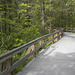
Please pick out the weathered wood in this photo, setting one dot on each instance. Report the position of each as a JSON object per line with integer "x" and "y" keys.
{"x": 31, "y": 48}
{"x": 28, "y": 51}
{"x": 9, "y": 64}
{"x": 60, "y": 35}
{"x": 21, "y": 60}
{"x": 51, "y": 37}
{"x": 41, "y": 42}
{"x": 15, "y": 51}
{"x": 57, "y": 35}
{"x": 70, "y": 29}
{"x": 66, "y": 29}
{"x": 0, "y": 67}
{"x": 54, "y": 60}
{"x": 3, "y": 66}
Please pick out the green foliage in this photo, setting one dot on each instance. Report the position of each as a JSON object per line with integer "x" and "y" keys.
{"x": 21, "y": 22}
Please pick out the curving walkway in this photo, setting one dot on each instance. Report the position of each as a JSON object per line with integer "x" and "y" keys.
{"x": 57, "y": 59}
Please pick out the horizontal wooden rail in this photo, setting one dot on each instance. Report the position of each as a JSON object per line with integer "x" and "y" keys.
{"x": 70, "y": 29}
{"x": 31, "y": 50}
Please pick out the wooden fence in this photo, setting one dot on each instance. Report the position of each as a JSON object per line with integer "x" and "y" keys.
{"x": 6, "y": 60}
{"x": 70, "y": 29}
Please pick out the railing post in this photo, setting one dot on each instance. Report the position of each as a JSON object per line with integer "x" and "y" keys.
{"x": 60, "y": 35}
{"x": 3, "y": 66}
{"x": 6, "y": 65}
{"x": 66, "y": 29}
{"x": 31, "y": 48}
{"x": 71, "y": 30}
{"x": 0, "y": 67}
{"x": 56, "y": 35}
{"x": 28, "y": 51}
{"x": 53, "y": 39}
{"x": 41, "y": 42}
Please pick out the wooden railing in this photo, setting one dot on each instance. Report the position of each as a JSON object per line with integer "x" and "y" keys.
{"x": 6, "y": 64}
{"x": 70, "y": 29}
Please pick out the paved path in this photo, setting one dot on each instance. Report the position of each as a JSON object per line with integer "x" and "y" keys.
{"x": 57, "y": 59}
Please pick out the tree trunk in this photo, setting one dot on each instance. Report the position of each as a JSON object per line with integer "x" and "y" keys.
{"x": 5, "y": 16}
{"x": 43, "y": 24}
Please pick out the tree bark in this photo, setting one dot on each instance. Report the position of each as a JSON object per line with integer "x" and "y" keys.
{"x": 43, "y": 23}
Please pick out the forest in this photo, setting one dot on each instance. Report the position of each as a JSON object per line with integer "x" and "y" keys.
{"x": 22, "y": 21}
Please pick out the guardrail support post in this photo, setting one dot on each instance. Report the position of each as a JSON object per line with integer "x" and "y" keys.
{"x": 53, "y": 39}
{"x": 41, "y": 42}
{"x": 32, "y": 48}
{"x": 3, "y": 66}
{"x": 60, "y": 35}
{"x": 66, "y": 29}
{"x": 8, "y": 64}
{"x": 57, "y": 37}
{"x": 0, "y": 67}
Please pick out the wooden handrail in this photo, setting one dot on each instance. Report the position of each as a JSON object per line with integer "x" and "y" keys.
{"x": 30, "y": 44}
{"x": 70, "y": 29}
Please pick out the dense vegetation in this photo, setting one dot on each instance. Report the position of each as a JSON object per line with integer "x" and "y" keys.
{"x": 24, "y": 20}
